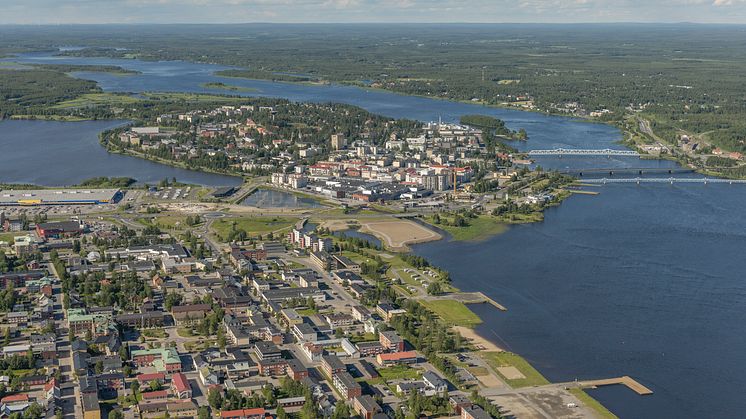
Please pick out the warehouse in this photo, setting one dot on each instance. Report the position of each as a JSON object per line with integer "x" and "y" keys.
{"x": 10, "y": 197}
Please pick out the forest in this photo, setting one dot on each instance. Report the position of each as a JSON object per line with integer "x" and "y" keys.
{"x": 681, "y": 77}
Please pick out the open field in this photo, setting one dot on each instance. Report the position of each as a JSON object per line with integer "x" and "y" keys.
{"x": 253, "y": 226}
{"x": 507, "y": 359}
{"x": 479, "y": 228}
{"x": 397, "y": 234}
{"x": 8, "y": 237}
{"x": 453, "y": 312}
{"x": 97, "y": 99}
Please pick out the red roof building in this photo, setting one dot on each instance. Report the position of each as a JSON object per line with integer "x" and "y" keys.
{"x": 257, "y": 413}
{"x": 180, "y": 386}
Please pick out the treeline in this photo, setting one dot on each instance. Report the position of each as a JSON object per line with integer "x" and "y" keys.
{"x": 494, "y": 126}
{"x": 33, "y": 92}
{"x": 108, "y": 182}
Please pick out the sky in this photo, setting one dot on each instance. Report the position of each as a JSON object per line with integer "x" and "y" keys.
{"x": 330, "y": 11}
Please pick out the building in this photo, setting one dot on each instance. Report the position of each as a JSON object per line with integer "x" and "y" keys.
{"x": 322, "y": 260}
{"x": 391, "y": 341}
{"x": 474, "y": 412}
{"x": 273, "y": 367}
{"x": 59, "y": 197}
{"x": 180, "y": 386}
{"x": 370, "y": 348}
{"x": 360, "y": 313}
{"x": 388, "y": 311}
{"x": 267, "y": 351}
{"x": 257, "y": 413}
{"x": 408, "y": 357}
{"x": 365, "y": 406}
{"x": 339, "y": 141}
{"x": 346, "y": 385}
{"x": 459, "y": 402}
{"x": 145, "y": 379}
{"x": 60, "y": 229}
{"x": 191, "y": 314}
{"x": 337, "y": 320}
{"x": 332, "y": 365}
{"x": 296, "y": 370}
{"x": 304, "y": 332}
{"x": 146, "y": 320}
{"x": 89, "y": 403}
{"x": 163, "y": 359}
{"x": 434, "y": 382}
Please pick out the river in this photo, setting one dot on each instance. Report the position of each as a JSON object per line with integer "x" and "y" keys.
{"x": 54, "y": 153}
{"x": 638, "y": 280}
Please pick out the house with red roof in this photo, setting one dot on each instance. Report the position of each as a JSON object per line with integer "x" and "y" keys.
{"x": 180, "y": 386}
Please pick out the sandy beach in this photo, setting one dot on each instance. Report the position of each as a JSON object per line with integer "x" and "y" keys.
{"x": 477, "y": 340}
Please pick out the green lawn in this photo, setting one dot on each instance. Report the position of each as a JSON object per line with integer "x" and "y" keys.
{"x": 252, "y": 225}
{"x": 592, "y": 403}
{"x": 8, "y": 237}
{"x": 399, "y": 372}
{"x": 506, "y": 359}
{"x": 98, "y": 99}
{"x": 479, "y": 228}
{"x": 453, "y": 312}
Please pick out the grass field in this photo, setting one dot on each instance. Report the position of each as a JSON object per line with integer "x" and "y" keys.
{"x": 453, "y": 312}
{"x": 507, "y": 359}
{"x": 399, "y": 372}
{"x": 8, "y": 237}
{"x": 592, "y": 403}
{"x": 479, "y": 228}
{"x": 254, "y": 226}
{"x": 97, "y": 99}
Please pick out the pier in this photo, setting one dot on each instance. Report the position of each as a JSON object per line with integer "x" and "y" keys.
{"x": 477, "y": 298}
{"x": 581, "y": 152}
{"x": 626, "y": 380}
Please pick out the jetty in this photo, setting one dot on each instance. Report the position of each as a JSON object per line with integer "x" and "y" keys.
{"x": 477, "y": 298}
{"x": 626, "y": 380}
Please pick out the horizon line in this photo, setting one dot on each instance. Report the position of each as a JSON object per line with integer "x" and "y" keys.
{"x": 372, "y": 23}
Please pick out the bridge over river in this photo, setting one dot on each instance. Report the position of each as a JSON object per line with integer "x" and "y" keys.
{"x": 580, "y": 152}
{"x": 670, "y": 180}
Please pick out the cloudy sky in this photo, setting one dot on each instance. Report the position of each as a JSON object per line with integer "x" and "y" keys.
{"x": 236, "y": 11}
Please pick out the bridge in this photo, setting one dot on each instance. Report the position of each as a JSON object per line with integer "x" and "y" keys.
{"x": 579, "y": 152}
{"x": 671, "y": 180}
{"x": 611, "y": 171}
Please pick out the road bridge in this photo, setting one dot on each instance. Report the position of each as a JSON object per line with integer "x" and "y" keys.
{"x": 611, "y": 171}
{"x": 670, "y": 180}
{"x": 580, "y": 152}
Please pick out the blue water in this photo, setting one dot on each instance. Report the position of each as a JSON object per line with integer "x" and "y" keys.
{"x": 639, "y": 280}
{"x": 270, "y": 198}
{"x": 65, "y": 153}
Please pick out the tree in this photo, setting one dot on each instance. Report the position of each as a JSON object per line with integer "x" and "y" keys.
{"x": 281, "y": 414}
{"x": 204, "y": 413}
{"x": 154, "y": 385}
{"x": 214, "y": 398}
{"x": 99, "y": 367}
{"x": 341, "y": 411}
{"x": 116, "y": 414}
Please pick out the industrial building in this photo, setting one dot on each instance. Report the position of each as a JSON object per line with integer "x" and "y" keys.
{"x": 10, "y": 197}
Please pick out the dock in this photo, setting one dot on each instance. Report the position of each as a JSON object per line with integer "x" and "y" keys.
{"x": 477, "y": 298}
{"x": 626, "y": 380}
